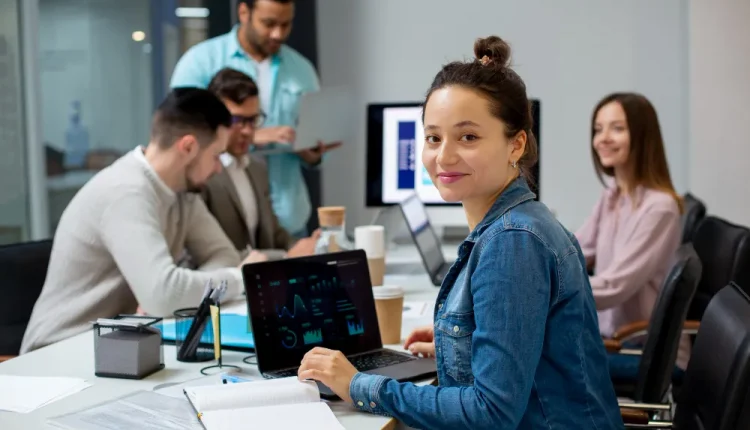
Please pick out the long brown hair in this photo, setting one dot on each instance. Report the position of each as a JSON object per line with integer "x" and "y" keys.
{"x": 647, "y": 157}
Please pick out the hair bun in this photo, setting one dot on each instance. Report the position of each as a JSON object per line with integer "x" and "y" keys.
{"x": 495, "y": 49}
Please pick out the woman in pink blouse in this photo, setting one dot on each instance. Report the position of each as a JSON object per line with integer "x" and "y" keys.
{"x": 634, "y": 230}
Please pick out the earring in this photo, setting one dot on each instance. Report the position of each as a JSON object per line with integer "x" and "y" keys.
{"x": 514, "y": 164}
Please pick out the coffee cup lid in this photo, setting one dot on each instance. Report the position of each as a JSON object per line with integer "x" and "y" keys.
{"x": 387, "y": 292}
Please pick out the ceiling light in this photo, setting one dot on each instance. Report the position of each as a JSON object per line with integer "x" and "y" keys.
{"x": 139, "y": 36}
{"x": 191, "y": 12}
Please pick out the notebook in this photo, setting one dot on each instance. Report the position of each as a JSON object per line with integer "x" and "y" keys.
{"x": 285, "y": 403}
{"x": 234, "y": 332}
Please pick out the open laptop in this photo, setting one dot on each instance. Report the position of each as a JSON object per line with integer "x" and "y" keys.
{"x": 322, "y": 300}
{"x": 326, "y": 115}
{"x": 426, "y": 240}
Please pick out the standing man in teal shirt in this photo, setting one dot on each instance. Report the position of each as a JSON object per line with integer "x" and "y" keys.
{"x": 256, "y": 47}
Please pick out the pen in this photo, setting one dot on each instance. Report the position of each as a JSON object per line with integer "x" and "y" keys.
{"x": 207, "y": 291}
{"x": 198, "y": 414}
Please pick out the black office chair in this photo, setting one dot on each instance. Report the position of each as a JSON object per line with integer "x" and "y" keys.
{"x": 724, "y": 250}
{"x": 715, "y": 394}
{"x": 656, "y": 363}
{"x": 23, "y": 269}
{"x": 695, "y": 211}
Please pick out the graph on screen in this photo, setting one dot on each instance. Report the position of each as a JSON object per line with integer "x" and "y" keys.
{"x": 298, "y": 309}
{"x": 355, "y": 328}
{"x": 313, "y": 308}
{"x": 312, "y": 337}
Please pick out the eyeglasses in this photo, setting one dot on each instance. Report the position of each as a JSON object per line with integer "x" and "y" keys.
{"x": 254, "y": 121}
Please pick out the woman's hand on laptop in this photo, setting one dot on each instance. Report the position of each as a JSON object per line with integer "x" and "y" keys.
{"x": 332, "y": 368}
{"x": 421, "y": 341}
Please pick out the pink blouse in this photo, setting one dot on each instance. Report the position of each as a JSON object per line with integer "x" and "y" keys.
{"x": 631, "y": 243}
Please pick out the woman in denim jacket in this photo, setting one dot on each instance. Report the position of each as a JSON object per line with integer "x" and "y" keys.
{"x": 515, "y": 336}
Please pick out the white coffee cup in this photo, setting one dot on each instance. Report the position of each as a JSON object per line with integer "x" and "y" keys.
{"x": 389, "y": 305}
{"x": 371, "y": 238}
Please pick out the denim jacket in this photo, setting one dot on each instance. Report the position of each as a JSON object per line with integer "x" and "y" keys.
{"x": 516, "y": 334}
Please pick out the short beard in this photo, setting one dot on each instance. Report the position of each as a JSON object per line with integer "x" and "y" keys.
{"x": 251, "y": 38}
{"x": 192, "y": 187}
{"x": 195, "y": 189}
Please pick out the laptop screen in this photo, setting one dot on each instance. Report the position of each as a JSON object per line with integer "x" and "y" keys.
{"x": 425, "y": 238}
{"x": 322, "y": 300}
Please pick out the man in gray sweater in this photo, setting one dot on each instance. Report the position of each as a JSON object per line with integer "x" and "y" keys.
{"x": 120, "y": 240}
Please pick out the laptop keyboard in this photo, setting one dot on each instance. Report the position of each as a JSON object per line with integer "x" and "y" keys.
{"x": 363, "y": 362}
{"x": 378, "y": 359}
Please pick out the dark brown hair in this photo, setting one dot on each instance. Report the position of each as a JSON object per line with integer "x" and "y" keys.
{"x": 185, "y": 111}
{"x": 491, "y": 76}
{"x": 233, "y": 85}
{"x": 647, "y": 157}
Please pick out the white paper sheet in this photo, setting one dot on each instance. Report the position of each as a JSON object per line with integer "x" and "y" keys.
{"x": 26, "y": 393}
{"x": 143, "y": 410}
{"x": 307, "y": 416}
{"x": 253, "y": 394}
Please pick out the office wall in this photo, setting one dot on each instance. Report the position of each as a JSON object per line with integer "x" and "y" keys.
{"x": 720, "y": 106}
{"x": 570, "y": 54}
{"x": 88, "y": 54}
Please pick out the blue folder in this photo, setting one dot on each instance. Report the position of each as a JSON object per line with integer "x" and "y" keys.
{"x": 234, "y": 332}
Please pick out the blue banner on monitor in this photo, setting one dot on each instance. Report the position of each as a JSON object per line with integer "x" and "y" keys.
{"x": 407, "y": 134}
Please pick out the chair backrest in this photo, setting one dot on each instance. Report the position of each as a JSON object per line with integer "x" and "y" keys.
{"x": 665, "y": 327}
{"x": 714, "y": 394}
{"x": 724, "y": 250}
{"x": 695, "y": 211}
{"x": 23, "y": 269}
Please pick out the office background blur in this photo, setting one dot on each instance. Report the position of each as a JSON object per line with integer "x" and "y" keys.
{"x": 88, "y": 74}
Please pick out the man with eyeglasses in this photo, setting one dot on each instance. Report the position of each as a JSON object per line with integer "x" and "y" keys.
{"x": 239, "y": 196}
{"x": 257, "y": 47}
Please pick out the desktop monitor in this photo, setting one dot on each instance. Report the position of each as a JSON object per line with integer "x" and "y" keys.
{"x": 395, "y": 138}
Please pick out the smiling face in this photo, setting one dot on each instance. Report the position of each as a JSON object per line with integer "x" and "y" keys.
{"x": 466, "y": 151}
{"x": 611, "y": 137}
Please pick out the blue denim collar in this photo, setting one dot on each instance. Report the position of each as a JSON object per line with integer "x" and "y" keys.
{"x": 516, "y": 193}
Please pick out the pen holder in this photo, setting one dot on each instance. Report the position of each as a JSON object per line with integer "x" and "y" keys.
{"x": 204, "y": 350}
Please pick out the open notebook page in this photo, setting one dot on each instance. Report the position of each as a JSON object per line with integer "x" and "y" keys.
{"x": 253, "y": 394}
{"x": 307, "y": 416}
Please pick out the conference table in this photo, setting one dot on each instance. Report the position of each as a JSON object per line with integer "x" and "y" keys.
{"x": 74, "y": 357}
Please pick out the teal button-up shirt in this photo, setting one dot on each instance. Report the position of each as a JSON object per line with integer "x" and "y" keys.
{"x": 292, "y": 75}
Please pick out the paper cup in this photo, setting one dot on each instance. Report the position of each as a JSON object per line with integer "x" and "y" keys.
{"x": 331, "y": 216}
{"x": 371, "y": 238}
{"x": 389, "y": 305}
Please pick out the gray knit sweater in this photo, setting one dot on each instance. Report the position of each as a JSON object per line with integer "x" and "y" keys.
{"x": 117, "y": 246}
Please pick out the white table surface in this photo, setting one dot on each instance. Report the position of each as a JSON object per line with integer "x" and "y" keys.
{"x": 74, "y": 357}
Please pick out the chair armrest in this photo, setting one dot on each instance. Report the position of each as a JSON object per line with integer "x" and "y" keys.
{"x": 6, "y": 357}
{"x": 635, "y": 329}
{"x": 691, "y": 327}
{"x": 650, "y": 425}
{"x": 653, "y": 407}
{"x": 612, "y": 345}
{"x": 630, "y": 416}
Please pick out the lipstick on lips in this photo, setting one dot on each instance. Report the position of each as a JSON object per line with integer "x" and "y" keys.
{"x": 450, "y": 177}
